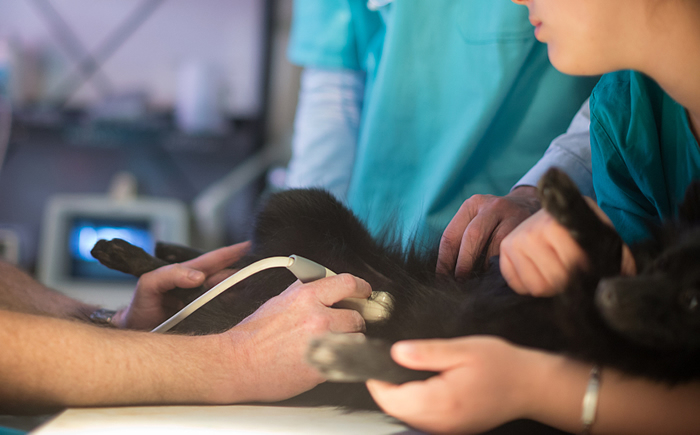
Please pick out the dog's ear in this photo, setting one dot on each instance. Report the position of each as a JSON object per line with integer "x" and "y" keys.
{"x": 689, "y": 210}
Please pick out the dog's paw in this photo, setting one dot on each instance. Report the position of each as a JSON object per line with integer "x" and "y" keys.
{"x": 601, "y": 243}
{"x": 560, "y": 197}
{"x": 121, "y": 255}
{"x": 356, "y": 358}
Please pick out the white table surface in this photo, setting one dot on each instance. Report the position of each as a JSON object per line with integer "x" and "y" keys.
{"x": 235, "y": 419}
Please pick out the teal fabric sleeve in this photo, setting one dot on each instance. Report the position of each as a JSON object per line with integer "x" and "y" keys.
{"x": 332, "y": 33}
{"x": 10, "y": 431}
{"x": 616, "y": 192}
{"x": 617, "y": 182}
{"x": 644, "y": 154}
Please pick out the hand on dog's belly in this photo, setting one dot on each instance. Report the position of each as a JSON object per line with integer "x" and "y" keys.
{"x": 484, "y": 381}
{"x": 479, "y": 226}
{"x": 275, "y": 338}
{"x": 356, "y": 358}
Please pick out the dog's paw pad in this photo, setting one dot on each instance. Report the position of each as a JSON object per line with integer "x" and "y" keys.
{"x": 337, "y": 357}
{"x": 559, "y": 196}
{"x": 355, "y": 358}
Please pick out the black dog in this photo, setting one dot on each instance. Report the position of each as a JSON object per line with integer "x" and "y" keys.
{"x": 647, "y": 325}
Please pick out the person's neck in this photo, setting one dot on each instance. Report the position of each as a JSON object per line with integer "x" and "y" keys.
{"x": 674, "y": 66}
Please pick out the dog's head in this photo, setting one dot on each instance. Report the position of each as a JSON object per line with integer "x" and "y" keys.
{"x": 660, "y": 307}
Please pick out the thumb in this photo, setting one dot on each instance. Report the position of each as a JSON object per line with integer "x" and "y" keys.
{"x": 629, "y": 266}
{"x": 434, "y": 355}
{"x": 167, "y": 278}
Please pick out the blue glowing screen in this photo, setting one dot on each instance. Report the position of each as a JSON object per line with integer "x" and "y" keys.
{"x": 85, "y": 232}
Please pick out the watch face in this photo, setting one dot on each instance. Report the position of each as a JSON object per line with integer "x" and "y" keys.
{"x": 102, "y": 316}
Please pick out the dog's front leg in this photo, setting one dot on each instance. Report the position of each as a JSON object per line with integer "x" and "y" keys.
{"x": 173, "y": 253}
{"x": 601, "y": 243}
{"x": 121, "y": 255}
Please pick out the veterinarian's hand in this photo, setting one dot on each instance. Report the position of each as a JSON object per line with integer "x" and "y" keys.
{"x": 478, "y": 387}
{"x": 273, "y": 341}
{"x": 481, "y": 224}
{"x": 539, "y": 256}
{"x": 152, "y": 304}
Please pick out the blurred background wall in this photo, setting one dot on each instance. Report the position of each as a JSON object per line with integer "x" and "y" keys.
{"x": 193, "y": 100}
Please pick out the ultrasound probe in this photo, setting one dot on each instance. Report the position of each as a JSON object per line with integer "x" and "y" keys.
{"x": 374, "y": 309}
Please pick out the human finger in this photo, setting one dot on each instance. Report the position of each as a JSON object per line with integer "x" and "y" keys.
{"x": 510, "y": 274}
{"x": 407, "y": 402}
{"x": 475, "y": 240}
{"x": 221, "y": 258}
{"x": 451, "y": 241}
{"x": 516, "y": 265}
{"x": 381, "y": 388}
{"x": 629, "y": 267}
{"x": 346, "y": 320}
{"x": 336, "y": 288}
{"x": 569, "y": 252}
{"x": 530, "y": 261}
{"x": 528, "y": 276}
{"x": 168, "y": 277}
{"x": 543, "y": 266}
{"x": 434, "y": 354}
{"x": 502, "y": 230}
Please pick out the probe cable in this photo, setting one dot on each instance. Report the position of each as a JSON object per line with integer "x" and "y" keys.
{"x": 304, "y": 269}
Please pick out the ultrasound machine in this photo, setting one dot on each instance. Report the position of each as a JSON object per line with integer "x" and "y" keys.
{"x": 73, "y": 223}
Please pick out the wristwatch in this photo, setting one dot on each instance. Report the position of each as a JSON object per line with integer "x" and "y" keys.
{"x": 103, "y": 317}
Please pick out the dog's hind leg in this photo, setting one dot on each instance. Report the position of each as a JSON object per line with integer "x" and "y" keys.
{"x": 356, "y": 358}
{"x": 562, "y": 199}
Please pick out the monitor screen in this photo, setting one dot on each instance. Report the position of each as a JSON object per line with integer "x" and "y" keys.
{"x": 84, "y": 232}
{"x": 74, "y": 223}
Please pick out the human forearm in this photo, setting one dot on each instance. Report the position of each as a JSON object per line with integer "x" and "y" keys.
{"x": 556, "y": 388}
{"x": 48, "y": 363}
{"x": 20, "y": 293}
{"x": 626, "y": 404}
{"x": 326, "y": 129}
{"x": 570, "y": 152}
{"x": 51, "y": 363}
{"x": 639, "y": 406}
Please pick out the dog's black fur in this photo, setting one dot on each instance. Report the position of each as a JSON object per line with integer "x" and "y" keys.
{"x": 648, "y": 325}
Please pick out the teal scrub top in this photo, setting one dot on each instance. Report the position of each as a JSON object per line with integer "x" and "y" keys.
{"x": 460, "y": 99}
{"x": 643, "y": 151}
{"x": 10, "y": 431}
